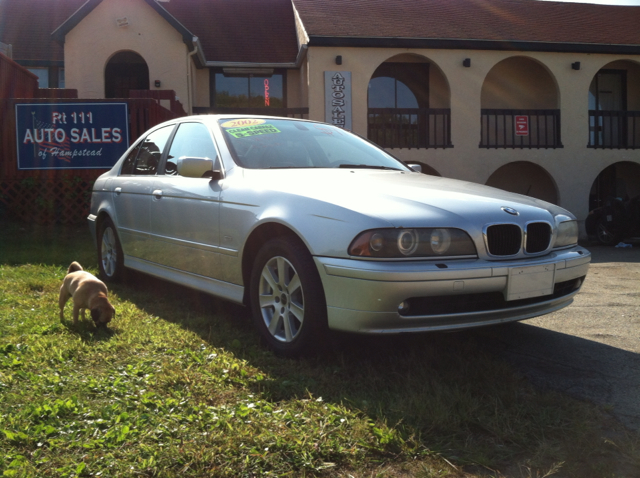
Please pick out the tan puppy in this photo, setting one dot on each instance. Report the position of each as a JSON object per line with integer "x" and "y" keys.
{"x": 88, "y": 292}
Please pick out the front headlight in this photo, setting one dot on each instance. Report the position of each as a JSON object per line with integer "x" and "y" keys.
{"x": 412, "y": 243}
{"x": 567, "y": 232}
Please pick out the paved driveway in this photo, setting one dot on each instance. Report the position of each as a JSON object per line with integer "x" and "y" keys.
{"x": 590, "y": 349}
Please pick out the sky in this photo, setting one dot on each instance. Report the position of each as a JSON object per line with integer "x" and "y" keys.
{"x": 603, "y": 2}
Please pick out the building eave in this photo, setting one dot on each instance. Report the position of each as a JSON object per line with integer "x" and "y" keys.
{"x": 302, "y": 53}
{"x": 471, "y": 44}
{"x": 70, "y": 23}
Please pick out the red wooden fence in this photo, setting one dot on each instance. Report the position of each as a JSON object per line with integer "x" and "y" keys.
{"x": 55, "y": 196}
{"x": 58, "y": 196}
{"x": 16, "y": 81}
{"x": 56, "y": 93}
{"x": 174, "y": 105}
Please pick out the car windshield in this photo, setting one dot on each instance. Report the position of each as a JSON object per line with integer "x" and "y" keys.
{"x": 258, "y": 143}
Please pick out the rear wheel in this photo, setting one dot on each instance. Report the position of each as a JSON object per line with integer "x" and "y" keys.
{"x": 110, "y": 256}
{"x": 287, "y": 298}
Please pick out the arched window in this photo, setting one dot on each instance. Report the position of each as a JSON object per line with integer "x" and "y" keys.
{"x": 399, "y": 108}
{"x": 400, "y": 85}
{"x": 386, "y": 92}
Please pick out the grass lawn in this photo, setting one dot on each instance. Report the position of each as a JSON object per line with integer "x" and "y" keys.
{"x": 179, "y": 385}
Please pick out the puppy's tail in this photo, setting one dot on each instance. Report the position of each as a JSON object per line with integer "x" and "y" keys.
{"x": 74, "y": 267}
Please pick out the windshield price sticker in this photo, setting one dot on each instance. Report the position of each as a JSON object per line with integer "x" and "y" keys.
{"x": 256, "y": 130}
{"x": 242, "y": 122}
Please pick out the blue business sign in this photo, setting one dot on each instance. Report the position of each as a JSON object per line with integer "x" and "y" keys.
{"x": 71, "y": 135}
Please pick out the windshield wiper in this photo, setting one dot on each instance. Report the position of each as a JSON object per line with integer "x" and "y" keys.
{"x": 366, "y": 166}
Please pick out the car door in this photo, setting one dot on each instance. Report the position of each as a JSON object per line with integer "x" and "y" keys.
{"x": 132, "y": 192}
{"x": 184, "y": 211}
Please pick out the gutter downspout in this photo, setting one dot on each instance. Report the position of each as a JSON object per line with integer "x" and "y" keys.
{"x": 189, "y": 88}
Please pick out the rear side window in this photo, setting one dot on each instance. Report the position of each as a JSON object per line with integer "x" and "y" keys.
{"x": 192, "y": 140}
{"x": 127, "y": 166}
{"x": 144, "y": 159}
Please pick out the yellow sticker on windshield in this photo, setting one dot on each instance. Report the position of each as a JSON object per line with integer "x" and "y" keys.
{"x": 242, "y": 122}
{"x": 256, "y": 130}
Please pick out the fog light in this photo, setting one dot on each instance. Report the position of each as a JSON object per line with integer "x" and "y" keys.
{"x": 404, "y": 306}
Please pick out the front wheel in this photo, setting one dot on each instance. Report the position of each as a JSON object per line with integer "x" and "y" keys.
{"x": 287, "y": 298}
{"x": 110, "y": 256}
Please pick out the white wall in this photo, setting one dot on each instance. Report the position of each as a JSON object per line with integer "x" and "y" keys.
{"x": 573, "y": 167}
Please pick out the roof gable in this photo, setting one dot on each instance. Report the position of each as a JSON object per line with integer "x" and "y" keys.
{"x": 71, "y": 22}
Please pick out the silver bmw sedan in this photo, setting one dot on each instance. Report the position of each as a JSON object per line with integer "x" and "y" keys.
{"x": 317, "y": 229}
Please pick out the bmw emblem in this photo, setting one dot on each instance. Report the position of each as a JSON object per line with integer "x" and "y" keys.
{"x": 510, "y": 210}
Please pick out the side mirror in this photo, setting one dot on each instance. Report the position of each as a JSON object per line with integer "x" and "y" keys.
{"x": 194, "y": 167}
{"x": 416, "y": 167}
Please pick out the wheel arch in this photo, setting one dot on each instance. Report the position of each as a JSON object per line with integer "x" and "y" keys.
{"x": 258, "y": 237}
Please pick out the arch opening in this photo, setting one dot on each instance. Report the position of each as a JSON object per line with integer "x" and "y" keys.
{"x": 614, "y": 106}
{"x": 520, "y": 106}
{"x": 619, "y": 180}
{"x": 409, "y": 104}
{"x": 526, "y": 178}
{"x": 614, "y": 204}
{"x": 126, "y": 70}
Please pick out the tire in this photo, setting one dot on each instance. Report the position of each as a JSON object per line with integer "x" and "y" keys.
{"x": 605, "y": 235}
{"x": 110, "y": 256}
{"x": 287, "y": 298}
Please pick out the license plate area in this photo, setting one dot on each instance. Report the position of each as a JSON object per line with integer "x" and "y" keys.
{"x": 530, "y": 281}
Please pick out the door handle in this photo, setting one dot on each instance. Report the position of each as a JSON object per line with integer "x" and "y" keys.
{"x": 118, "y": 191}
{"x": 158, "y": 193}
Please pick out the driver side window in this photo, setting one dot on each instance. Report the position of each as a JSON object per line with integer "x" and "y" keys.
{"x": 192, "y": 140}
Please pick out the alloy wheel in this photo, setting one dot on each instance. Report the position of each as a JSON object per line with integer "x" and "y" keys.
{"x": 109, "y": 254}
{"x": 281, "y": 299}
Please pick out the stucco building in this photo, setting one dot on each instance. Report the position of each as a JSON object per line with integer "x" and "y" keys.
{"x": 540, "y": 98}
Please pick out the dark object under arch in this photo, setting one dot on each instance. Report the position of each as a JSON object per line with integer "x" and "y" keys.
{"x": 125, "y": 71}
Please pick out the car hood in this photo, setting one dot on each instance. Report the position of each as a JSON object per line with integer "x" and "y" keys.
{"x": 405, "y": 199}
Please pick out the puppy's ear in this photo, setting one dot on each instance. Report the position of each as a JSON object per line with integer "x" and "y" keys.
{"x": 95, "y": 315}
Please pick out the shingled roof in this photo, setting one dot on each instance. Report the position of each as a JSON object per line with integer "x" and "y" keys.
{"x": 234, "y": 31}
{"x": 27, "y": 25}
{"x": 486, "y": 24}
{"x": 263, "y": 31}
{"x": 242, "y": 31}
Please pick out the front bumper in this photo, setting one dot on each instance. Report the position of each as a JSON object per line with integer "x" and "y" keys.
{"x": 365, "y": 296}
